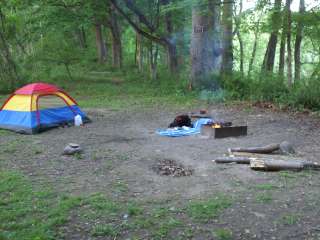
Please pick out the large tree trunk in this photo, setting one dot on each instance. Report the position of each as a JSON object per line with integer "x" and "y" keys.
{"x": 297, "y": 45}
{"x": 289, "y": 56}
{"x": 172, "y": 58}
{"x": 101, "y": 47}
{"x": 268, "y": 61}
{"x": 227, "y": 59}
{"x": 204, "y": 51}
{"x": 116, "y": 39}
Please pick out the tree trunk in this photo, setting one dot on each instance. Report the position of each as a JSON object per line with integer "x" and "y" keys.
{"x": 297, "y": 45}
{"x": 153, "y": 61}
{"x": 205, "y": 51}
{"x": 227, "y": 59}
{"x": 139, "y": 52}
{"x": 254, "y": 49}
{"x": 81, "y": 37}
{"x": 172, "y": 45}
{"x": 268, "y": 61}
{"x": 237, "y": 20}
{"x": 172, "y": 58}
{"x": 116, "y": 39}
{"x": 282, "y": 51}
{"x": 101, "y": 47}
{"x": 289, "y": 56}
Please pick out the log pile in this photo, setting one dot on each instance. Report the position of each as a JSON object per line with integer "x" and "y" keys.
{"x": 272, "y": 157}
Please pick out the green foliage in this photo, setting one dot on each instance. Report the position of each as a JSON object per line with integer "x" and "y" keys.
{"x": 271, "y": 88}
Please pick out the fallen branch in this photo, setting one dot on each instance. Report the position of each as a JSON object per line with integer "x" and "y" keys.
{"x": 277, "y": 165}
{"x": 239, "y": 160}
{"x": 269, "y": 164}
{"x": 283, "y": 147}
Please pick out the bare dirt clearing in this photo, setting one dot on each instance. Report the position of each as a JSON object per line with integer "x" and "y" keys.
{"x": 120, "y": 148}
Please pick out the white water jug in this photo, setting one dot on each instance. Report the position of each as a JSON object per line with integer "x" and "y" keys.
{"x": 78, "y": 120}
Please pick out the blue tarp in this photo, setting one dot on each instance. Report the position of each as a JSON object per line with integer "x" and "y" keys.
{"x": 184, "y": 131}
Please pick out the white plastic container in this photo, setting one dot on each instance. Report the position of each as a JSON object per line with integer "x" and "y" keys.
{"x": 78, "y": 120}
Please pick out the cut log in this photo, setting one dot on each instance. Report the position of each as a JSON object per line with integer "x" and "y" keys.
{"x": 264, "y": 149}
{"x": 277, "y": 165}
{"x": 284, "y": 147}
{"x": 240, "y": 160}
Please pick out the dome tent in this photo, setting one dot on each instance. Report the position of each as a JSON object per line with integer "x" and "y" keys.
{"x": 37, "y": 107}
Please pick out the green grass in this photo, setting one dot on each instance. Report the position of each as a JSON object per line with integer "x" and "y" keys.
{"x": 290, "y": 219}
{"x": 264, "y": 197}
{"x": 265, "y": 186}
{"x": 122, "y": 91}
{"x": 223, "y": 234}
{"x": 104, "y": 230}
{"x": 28, "y": 213}
{"x": 204, "y": 210}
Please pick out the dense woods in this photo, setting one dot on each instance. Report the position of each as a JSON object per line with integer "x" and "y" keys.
{"x": 266, "y": 51}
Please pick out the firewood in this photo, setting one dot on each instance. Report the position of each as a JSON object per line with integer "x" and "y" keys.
{"x": 270, "y": 163}
{"x": 275, "y": 165}
{"x": 240, "y": 160}
{"x": 264, "y": 149}
{"x": 284, "y": 147}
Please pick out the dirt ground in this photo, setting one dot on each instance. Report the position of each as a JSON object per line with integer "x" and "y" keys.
{"x": 120, "y": 148}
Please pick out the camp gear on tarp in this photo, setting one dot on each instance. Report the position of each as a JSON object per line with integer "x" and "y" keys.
{"x": 184, "y": 131}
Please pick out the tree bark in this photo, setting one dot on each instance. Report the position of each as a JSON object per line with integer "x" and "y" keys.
{"x": 139, "y": 51}
{"x": 237, "y": 20}
{"x": 268, "y": 61}
{"x": 116, "y": 39}
{"x": 172, "y": 45}
{"x": 205, "y": 48}
{"x": 282, "y": 51}
{"x": 81, "y": 37}
{"x": 153, "y": 61}
{"x": 101, "y": 47}
{"x": 254, "y": 48}
{"x": 289, "y": 56}
{"x": 297, "y": 45}
{"x": 227, "y": 58}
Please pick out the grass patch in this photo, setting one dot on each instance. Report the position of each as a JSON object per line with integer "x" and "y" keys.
{"x": 265, "y": 197}
{"x": 205, "y": 210}
{"x": 290, "y": 219}
{"x": 119, "y": 91}
{"x": 223, "y": 234}
{"x": 4, "y": 132}
{"x": 265, "y": 186}
{"x": 26, "y": 213}
{"x": 104, "y": 230}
